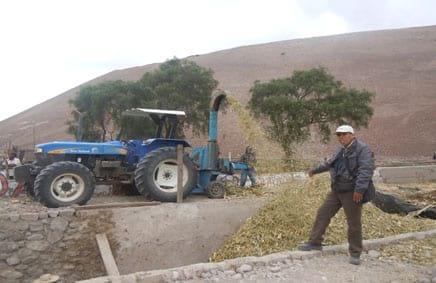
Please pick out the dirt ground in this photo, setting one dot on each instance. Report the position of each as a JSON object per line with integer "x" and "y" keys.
{"x": 421, "y": 252}
{"x": 25, "y": 204}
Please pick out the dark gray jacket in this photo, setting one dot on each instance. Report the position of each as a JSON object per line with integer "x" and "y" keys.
{"x": 360, "y": 162}
{"x": 250, "y": 159}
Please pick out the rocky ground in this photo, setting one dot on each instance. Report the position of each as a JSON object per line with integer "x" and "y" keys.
{"x": 324, "y": 269}
{"x": 421, "y": 252}
{"x": 406, "y": 261}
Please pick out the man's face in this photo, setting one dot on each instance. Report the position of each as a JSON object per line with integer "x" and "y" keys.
{"x": 345, "y": 138}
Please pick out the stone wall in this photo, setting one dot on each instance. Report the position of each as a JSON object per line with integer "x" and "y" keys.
{"x": 273, "y": 180}
{"x": 59, "y": 242}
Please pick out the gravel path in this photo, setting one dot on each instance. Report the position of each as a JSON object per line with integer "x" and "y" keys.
{"x": 322, "y": 269}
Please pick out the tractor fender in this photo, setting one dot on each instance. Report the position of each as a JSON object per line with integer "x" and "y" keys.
{"x": 153, "y": 144}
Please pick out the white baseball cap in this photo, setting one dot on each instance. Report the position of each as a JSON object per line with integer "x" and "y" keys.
{"x": 345, "y": 129}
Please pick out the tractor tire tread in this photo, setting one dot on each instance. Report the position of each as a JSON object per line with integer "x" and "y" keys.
{"x": 42, "y": 194}
{"x": 143, "y": 175}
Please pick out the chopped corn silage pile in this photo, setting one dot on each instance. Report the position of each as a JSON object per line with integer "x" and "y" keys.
{"x": 287, "y": 219}
{"x": 233, "y": 191}
{"x": 270, "y": 156}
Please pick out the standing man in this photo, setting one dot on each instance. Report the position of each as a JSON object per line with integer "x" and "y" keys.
{"x": 351, "y": 169}
{"x": 249, "y": 157}
{"x": 13, "y": 160}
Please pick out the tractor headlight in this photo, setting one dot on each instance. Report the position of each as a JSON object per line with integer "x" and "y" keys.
{"x": 38, "y": 150}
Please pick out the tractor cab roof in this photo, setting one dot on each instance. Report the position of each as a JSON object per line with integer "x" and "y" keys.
{"x": 141, "y": 112}
{"x": 159, "y": 117}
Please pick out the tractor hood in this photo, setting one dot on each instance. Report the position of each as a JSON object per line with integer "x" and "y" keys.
{"x": 91, "y": 148}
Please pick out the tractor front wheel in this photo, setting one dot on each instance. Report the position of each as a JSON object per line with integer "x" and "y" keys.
{"x": 156, "y": 174}
{"x": 63, "y": 184}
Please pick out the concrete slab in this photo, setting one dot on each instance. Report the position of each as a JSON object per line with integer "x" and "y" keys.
{"x": 172, "y": 234}
{"x": 406, "y": 174}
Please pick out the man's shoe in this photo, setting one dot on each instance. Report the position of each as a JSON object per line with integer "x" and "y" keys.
{"x": 354, "y": 260}
{"x": 309, "y": 247}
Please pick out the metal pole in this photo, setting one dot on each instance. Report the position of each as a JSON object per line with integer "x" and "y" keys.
{"x": 33, "y": 135}
{"x": 180, "y": 173}
{"x": 7, "y": 158}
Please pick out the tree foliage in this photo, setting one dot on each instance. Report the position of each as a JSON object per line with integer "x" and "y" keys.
{"x": 308, "y": 98}
{"x": 175, "y": 85}
{"x": 183, "y": 85}
{"x": 100, "y": 107}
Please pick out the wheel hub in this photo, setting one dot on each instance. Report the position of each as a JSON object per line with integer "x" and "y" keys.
{"x": 67, "y": 187}
{"x": 215, "y": 189}
{"x": 165, "y": 175}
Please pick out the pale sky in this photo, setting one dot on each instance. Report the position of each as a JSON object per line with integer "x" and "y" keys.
{"x": 50, "y": 46}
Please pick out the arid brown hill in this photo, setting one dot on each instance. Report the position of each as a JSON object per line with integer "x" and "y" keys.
{"x": 399, "y": 65}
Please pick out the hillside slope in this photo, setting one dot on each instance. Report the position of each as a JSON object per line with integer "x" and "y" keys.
{"x": 399, "y": 65}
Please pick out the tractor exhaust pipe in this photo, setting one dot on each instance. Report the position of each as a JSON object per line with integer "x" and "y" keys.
{"x": 213, "y": 132}
{"x": 213, "y": 117}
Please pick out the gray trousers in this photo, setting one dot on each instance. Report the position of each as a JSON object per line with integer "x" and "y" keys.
{"x": 353, "y": 212}
{"x": 251, "y": 174}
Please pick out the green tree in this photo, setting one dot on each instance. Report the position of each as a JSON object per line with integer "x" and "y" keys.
{"x": 100, "y": 107}
{"x": 182, "y": 85}
{"x": 175, "y": 85}
{"x": 308, "y": 98}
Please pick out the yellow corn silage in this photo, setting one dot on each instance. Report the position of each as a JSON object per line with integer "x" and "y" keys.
{"x": 270, "y": 156}
{"x": 287, "y": 219}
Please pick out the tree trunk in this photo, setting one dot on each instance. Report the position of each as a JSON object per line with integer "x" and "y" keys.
{"x": 391, "y": 204}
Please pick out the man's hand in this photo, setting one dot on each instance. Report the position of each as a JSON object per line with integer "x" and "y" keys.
{"x": 310, "y": 173}
{"x": 357, "y": 197}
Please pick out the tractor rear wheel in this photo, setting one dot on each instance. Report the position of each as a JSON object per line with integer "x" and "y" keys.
{"x": 156, "y": 175}
{"x": 63, "y": 184}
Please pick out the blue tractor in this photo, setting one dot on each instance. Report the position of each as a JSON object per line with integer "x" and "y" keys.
{"x": 66, "y": 172}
